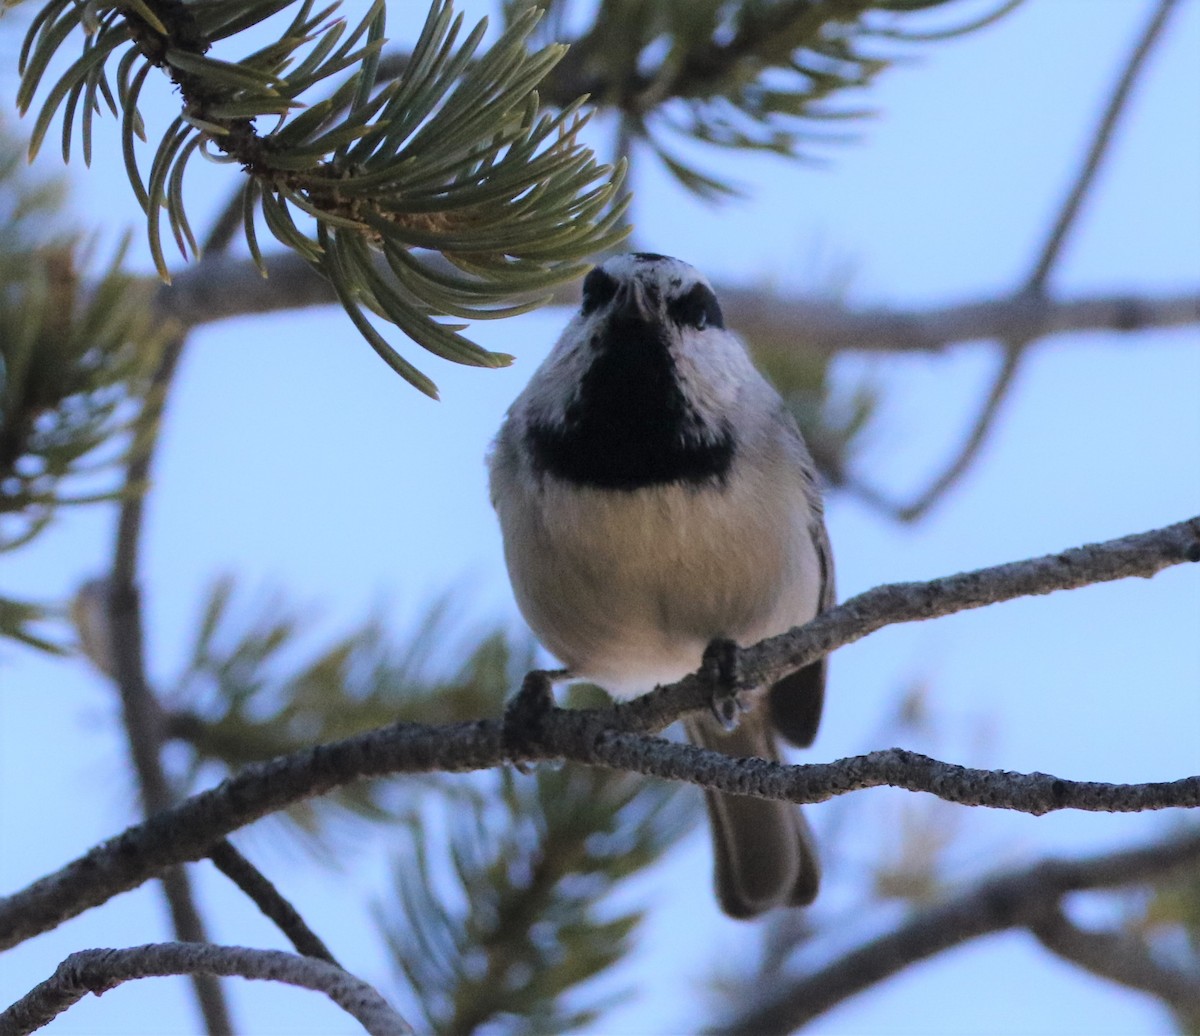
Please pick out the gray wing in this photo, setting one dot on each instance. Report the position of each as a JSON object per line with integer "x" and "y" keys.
{"x": 795, "y": 702}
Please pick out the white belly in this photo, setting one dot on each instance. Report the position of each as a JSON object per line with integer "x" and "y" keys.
{"x": 628, "y": 588}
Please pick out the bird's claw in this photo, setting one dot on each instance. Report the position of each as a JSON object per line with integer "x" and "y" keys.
{"x": 722, "y": 669}
{"x": 525, "y": 711}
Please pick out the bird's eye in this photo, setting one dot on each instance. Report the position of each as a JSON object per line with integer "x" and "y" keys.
{"x": 697, "y": 308}
{"x": 598, "y": 288}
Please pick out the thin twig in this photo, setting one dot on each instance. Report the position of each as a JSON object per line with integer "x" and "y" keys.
{"x": 269, "y": 900}
{"x": 99, "y": 970}
{"x": 1016, "y": 345}
{"x": 1001, "y": 385}
{"x": 614, "y": 737}
{"x": 1101, "y": 139}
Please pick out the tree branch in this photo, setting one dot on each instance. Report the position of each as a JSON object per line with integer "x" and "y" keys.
{"x": 219, "y": 290}
{"x": 1002, "y": 383}
{"x": 269, "y": 900}
{"x": 614, "y": 737}
{"x": 1098, "y": 148}
{"x": 99, "y": 970}
{"x": 141, "y": 714}
{"x": 1143, "y": 554}
{"x": 1016, "y": 345}
{"x": 1120, "y": 958}
{"x": 1018, "y": 898}
{"x": 776, "y": 324}
{"x": 223, "y": 288}
{"x": 120, "y": 598}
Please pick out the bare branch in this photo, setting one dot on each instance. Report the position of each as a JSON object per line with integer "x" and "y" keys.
{"x": 99, "y": 970}
{"x": 1143, "y": 554}
{"x": 1101, "y": 139}
{"x": 1121, "y": 958}
{"x": 1002, "y": 383}
{"x": 1016, "y": 345}
{"x": 781, "y": 325}
{"x": 269, "y": 900}
{"x": 222, "y": 288}
{"x": 614, "y": 737}
{"x": 120, "y": 599}
{"x": 141, "y": 714}
{"x": 1015, "y": 899}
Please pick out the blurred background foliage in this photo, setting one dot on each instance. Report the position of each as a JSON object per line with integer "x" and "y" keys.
{"x": 501, "y": 880}
{"x": 524, "y": 919}
{"x": 77, "y": 343}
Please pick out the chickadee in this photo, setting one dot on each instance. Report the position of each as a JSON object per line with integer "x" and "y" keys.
{"x": 654, "y": 494}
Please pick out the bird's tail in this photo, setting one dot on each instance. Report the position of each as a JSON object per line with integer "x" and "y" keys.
{"x": 763, "y": 849}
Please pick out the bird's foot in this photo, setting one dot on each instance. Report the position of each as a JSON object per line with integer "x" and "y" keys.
{"x": 525, "y": 711}
{"x": 721, "y": 667}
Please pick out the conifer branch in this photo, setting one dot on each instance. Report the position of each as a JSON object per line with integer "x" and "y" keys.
{"x": 453, "y": 155}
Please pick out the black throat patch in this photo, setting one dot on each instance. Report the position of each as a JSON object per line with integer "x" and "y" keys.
{"x": 630, "y": 427}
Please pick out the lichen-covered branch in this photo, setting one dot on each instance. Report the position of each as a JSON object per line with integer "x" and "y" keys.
{"x": 616, "y": 737}
{"x": 99, "y": 970}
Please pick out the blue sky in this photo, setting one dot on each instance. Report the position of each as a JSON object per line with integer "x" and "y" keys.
{"x": 292, "y": 457}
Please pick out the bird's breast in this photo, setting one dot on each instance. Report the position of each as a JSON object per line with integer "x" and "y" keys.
{"x": 628, "y": 587}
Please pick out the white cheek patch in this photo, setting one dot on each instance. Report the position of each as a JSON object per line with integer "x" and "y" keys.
{"x": 555, "y": 385}
{"x": 713, "y": 369}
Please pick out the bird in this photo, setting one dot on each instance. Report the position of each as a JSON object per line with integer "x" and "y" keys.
{"x": 655, "y": 497}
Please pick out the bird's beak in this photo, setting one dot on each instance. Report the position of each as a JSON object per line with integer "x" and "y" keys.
{"x": 631, "y": 302}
